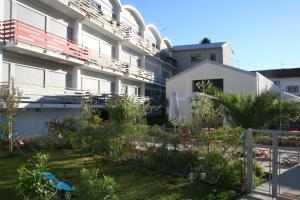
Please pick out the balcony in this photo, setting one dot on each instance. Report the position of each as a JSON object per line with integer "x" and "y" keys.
{"x": 113, "y": 66}
{"x": 136, "y": 41}
{"x": 92, "y": 11}
{"x": 140, "y": 74}
{"x": 23, "y": 38}
{"x": 106, "y": 64}
{"x": 41, "y": 96}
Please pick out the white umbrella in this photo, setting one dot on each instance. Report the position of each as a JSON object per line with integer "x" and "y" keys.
{"x": 174, "y": 106}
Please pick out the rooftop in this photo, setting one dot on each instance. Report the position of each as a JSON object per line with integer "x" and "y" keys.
{"x": 198, "y": 46}
{"x": 281, "y": 73}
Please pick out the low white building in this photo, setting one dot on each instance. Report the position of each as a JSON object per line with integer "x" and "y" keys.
{"x": 226, "y": 78}
{"x": 287, "y": 80}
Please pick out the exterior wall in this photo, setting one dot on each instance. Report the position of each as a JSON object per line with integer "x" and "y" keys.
{"x": 45, "y": 18}
{"x": 46, "y": 72}
{"x": 33, "y": 73}
{"x": 32, "y": 122}
{"x": 284, "y": 82}
{"x": 98, "y": 43}
{"x": 184, "y": 57}
{"x": 234, "y": 81}
{"x": 131, "y": 57}
{"x": 227, "y": 55}
{"x": 97, "y": 83}
{"x": 264, "y": 84}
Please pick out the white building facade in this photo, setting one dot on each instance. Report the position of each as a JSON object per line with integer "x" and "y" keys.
{"x": 226, "y": 78}
{"x": 58, "y": 51}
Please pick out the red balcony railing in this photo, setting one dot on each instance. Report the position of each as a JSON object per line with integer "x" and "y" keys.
{"x": 21, "y": 33}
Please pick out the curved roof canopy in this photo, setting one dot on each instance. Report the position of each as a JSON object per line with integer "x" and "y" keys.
{"x": 155, "y": 31}
{"x": 167, "y": 42}
{"x": 118, "y": 3}
{"x": 137, "y": 15}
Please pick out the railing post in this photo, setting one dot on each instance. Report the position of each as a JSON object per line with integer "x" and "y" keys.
{"x": 249, "y": 161}
{"x": 274, "y": 164}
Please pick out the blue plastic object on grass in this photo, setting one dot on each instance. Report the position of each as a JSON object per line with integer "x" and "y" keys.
{"x": 63, "y": 188}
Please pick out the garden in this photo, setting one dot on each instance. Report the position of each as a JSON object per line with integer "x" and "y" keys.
{"x": 125, "y": 158}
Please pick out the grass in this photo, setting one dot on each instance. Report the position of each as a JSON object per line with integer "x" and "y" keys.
{"x": 135, "y": 183}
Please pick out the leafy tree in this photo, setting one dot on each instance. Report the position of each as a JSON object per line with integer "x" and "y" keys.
{"x": 265, "y": 110}
{"x": 10, "y": 95}
{"x": 205, "y": 40}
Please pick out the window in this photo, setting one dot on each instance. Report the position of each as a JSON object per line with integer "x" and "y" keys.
{"x": 217, "y": 83}
{"x": 292, "y": 89}
{"x": 277, "y": 83}
{"x": 213, "y": 57}
{"x": 196, "y": 58}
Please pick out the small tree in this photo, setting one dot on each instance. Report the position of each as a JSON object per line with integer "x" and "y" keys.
{"x": 10, "y": 96}
{"x": 205, "y": 40}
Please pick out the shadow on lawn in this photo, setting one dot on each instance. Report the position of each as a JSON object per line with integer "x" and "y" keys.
{"x": 135, "y": 182}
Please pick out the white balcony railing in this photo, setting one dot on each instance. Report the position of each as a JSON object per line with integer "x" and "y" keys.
{"x": 113, "y": 65}
{"x": 93, "y": 12}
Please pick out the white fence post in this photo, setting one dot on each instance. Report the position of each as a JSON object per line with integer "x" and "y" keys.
{"x": 274, "y": 164}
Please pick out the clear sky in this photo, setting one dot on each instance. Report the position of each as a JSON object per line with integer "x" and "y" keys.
{"x": 263, "y": 33}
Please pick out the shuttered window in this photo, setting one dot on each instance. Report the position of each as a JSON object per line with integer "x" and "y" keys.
{"x": 92, "y": 43}
{"x": 7, "y": 4}
{"x": 27, "y": 75}
{"x": 5, "y": 72}
{"x": 56, "y": 79}
{"x": 125, "y": 57}
{"x": 105, "y": 87}
{"x": 134, "y": 60}
{"x": 30, "y": 17}
{"x": 90, "y": 84}
{"x": 57, "y": 28}
{"x": 106, "y": 49}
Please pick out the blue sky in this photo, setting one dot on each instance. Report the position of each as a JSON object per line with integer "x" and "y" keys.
{"x": 263, "y": 33}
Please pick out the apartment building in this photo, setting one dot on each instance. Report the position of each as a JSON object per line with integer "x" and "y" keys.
{"x": 287, "y": 80}
{"x": 190, "y": 55}
{"x": 60, "y": 51}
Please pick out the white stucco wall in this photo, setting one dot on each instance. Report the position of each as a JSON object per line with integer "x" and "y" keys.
{"x": 284, "y": 82}
{"x": 227, "y": 55}
{"x": 32, "y": 122}
{"x": 184, "y": 57}
{"x": 235, "y": 81}
{"x": 264, "y": 84}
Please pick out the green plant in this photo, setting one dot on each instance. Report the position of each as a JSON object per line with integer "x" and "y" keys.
{"x": 30, "y": 185}
{"x": 92, "y": 186}
{"x": 10, "y": 95}
{"x": 265, "y": 110}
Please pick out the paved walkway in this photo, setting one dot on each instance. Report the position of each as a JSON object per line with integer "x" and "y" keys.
{"x": 289, "y": 181}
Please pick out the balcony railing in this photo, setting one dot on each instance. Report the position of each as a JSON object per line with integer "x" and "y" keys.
{"x": 114, "y": 65}
{"x": 106, "y": 62}
{"x": 137, "y": 39}
{"x": 31, "y": 93}
{"x": 93, "y": 11}
{"x": 140, "y": 73}
{"x": 16, "y": 32}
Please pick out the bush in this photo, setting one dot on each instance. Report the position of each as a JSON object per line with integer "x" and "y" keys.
{"x": 30, "y": 185}
{"x": 59, "y": 132}
{"x": 181, "y": 162}
{"x": 93, "y": 187}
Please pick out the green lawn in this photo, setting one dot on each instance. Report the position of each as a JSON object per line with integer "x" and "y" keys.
{"x": 135, "y": 183}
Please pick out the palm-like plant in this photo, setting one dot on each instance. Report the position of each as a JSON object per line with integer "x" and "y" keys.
{"x": 265, "y": 110}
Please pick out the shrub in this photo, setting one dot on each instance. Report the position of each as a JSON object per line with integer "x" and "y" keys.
{"x": 59, "y": 132}
{"x": 30, "y": 185}
{"x": 93, "y": 187}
